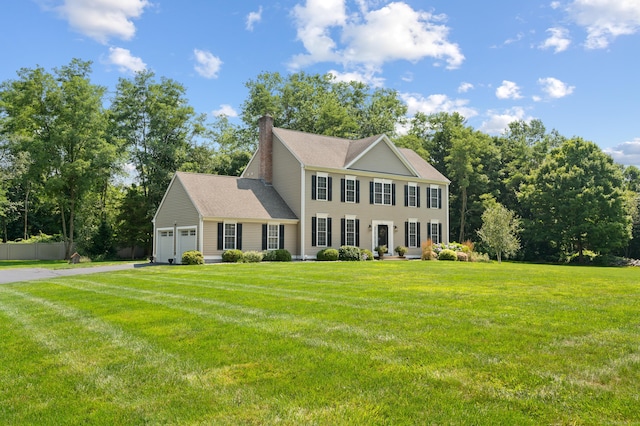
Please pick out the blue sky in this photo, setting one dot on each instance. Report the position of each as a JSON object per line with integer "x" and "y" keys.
{"x": 570, "y": 63}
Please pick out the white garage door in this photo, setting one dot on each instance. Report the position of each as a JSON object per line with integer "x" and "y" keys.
{"x": 186, "y": 242}
{"x": 164, "y": 246}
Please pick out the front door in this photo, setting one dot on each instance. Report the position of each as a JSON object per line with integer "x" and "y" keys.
{"x": 383, "y": 235}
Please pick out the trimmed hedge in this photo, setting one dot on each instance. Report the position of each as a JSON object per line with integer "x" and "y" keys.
{"x": 193, "y": 257}
{"x": 349, "y": 254}
{"x": 232, "y": 256}
{"x": 252, "y": 257}
{"x": 366, "y": 254}
{"x": 280, "y": 255}
{"x": 328, "y": 254}
{"x": 447, "y": 254}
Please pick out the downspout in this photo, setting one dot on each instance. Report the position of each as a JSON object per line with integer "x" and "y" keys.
{"x": 303, "y": 210}
{"x": 447, "y": 213}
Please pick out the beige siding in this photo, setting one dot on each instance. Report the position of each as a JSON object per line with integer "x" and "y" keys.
{"x": 286, "y": 176}
{"x": 381, "y": 159}
{"x": 252, "y": 170}
{"x": 369, "y": 213}
{"x": 177, "y": 208}
{"x": 210, "y": 243}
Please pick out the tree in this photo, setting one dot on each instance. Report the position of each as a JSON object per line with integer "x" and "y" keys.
{"x": 500, "y": 228}
{"x": 133, "y": 228}
{"x": 59, "y": 120}
{"x": 577, "y": 200}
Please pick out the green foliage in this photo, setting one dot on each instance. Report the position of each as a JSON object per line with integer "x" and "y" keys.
{"x": 192, "y": 257}
{"x": 43, "y": 238}
{"x": 447, "y": 254}
{"x": 102, "y": 242}
{"x": 349, "y": 254}
{"x": 328, "y": 254}
{"x": 232, "y": 256}
{"x": 280, "y": 255}
{"x": 366, "y": 254}
{"x": 252, "y": 257}
{"x": 500, "y": 228}
{"x": 401, "y": 250}
{"x": 381, "y": 250}
{"x": 134, "y": 226}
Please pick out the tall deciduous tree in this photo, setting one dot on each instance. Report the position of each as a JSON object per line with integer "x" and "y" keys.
{"x": 577, "y": 199}
{"x": 60, "y": 122}
{"x": 499, "y": 231}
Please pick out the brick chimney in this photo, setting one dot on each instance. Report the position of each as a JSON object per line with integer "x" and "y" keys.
{"x": 265, "y": 147}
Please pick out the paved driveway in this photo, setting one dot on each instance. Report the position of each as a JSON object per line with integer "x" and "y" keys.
{"x": 30, "y": 274}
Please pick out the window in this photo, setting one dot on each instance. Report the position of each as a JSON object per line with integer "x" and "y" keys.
{"x": 321, "y": 230}
{"x": 350, "y": 190}
{"x": 229, "y": 236}
{"x": 382, "y": 192}
{"x": 411, "y": 195}
{"x": 350, "y": 231}
{"x": 273, "y": 237}
{"x": 412, "y": 229}
{"x": 166, "y": 233}
{"x": 321, "y": 187}
{"x": 435, "y": 229}
{"x": 434, "y": 197}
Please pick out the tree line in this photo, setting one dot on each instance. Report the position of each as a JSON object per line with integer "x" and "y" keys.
{"x": 92, "y": 167}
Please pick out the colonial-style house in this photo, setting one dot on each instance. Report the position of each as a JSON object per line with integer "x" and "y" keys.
{"x": 305, "y": 192}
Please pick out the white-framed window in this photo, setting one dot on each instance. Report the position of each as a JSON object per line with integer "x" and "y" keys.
{"x": 382, "y": 192}
{"x": 166, "y": 233}
{"x": 435, "y": 232}
{"x": 350, "y": 189}
{"x": 230, "y": 235}
{"x": 434, "y": 196}
{"x": 322, "y": 229}
{"x": 412, "y": 233}
{"x": 322, "y": 183}
{"x": 412, "y": 195}
{"x": 350, "y": 230}
{"x": 273, "y": 236}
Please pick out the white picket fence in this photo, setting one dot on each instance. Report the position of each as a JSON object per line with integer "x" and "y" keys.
{"x": 32, "y": 251}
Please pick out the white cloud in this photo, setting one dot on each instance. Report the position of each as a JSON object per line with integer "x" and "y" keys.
{"x": 103, "y": 19}
{"x": 207, "y": 65}
{"x": 370, "y": 38}
{"x": 253, "y": 18}
{"x": 226, "y": 110}
{"x": 465, "y": 87}
{"x": 125, "y": 61}
{"x": 558, "y": 40}
{"x": 508, "y": 90}
{"x": 626, "y": 153}
{"x": 604, "y": 20}
{"x": 555, "y": 88}
{"x": 366, "y": 77}
{"x": 436, "y": 103}
{"x": 555, "y": 5}
{"x": 498, "y": 122}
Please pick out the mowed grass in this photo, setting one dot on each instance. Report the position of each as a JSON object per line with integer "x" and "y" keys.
{"x": 324, "y": 343}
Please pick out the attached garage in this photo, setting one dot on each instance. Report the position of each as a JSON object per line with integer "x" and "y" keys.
{"x": 164, "y": 245}
{"x": 186, "y": 241}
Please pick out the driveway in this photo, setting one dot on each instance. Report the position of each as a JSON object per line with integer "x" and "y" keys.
{"x": 30, "y": 274}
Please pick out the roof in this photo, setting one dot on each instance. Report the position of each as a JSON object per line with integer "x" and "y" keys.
{"x": 338, "y": 153}
{"x": 234, "y": 197}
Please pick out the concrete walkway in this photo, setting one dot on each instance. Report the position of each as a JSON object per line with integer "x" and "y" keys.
{"x": 31, "y": 274}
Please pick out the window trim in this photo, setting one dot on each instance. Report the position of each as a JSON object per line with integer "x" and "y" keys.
{"x": 382, "y": 194}
{"x": 348, "y": 191}
{"x": 434, "y": 194}
{"x": 415, "y": 233}
{"x": 322, "y": 217}
{"x": 271, "y": 237}
{"x": 435, "y": 225}
{"x": 350, "y": 219}
{"x": 319, "y": 176}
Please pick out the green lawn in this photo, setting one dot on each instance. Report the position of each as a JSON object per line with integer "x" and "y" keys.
{"x": 324, "y": 343}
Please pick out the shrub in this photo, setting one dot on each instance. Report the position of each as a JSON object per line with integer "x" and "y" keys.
{"x": 467, "y": 246}
{"x": 462, "y": 256}
{"x": 474, "y": 256}
{"x": 328, "y": 254}
{"x": 232, "y": 256}
{"x": 401, "y": 250}
{"x": 427, "y": 250}
{"x": 252, "y": 256}
{"x": 381, "y": 250}
{"x": 193, "y": 257}
{"x": 280, "y": 255}
{"x": 349, "y": 253}
{"x": 588, "y": 256}
{"x": 366, "y": 254}
{"x": 447, "y": 254}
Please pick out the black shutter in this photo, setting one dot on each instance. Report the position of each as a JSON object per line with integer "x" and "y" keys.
{"x": 328, "y": 232}
{"x": 440, "y": 232}
{"x": 281, "y": 244}
{"x": 371, "y": 192}
{"x": 406, "y": 195}
{"x": 220, "y": 236}
{"x": 417, "y": 196}
{"x": 406, "y": 234}
{"x": 264, "y": 237}
{"x": 343, "y": 184}
{"x": 428, "y": 230}
{"x": 439, "y": 198}
{"x": 329, "y": 188}
{"x": 428, "y": 197}
{"x": 343, "y": 226}
{"x": 393, "y": 194}
{"x": 239, "y": 236}
{"x": 313, "y": 231}
{"x": 418, "y": 234}
{"x": 313, "y": 187}
{"x": 357, "y": 191}
{"x": 357, "y": 232}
